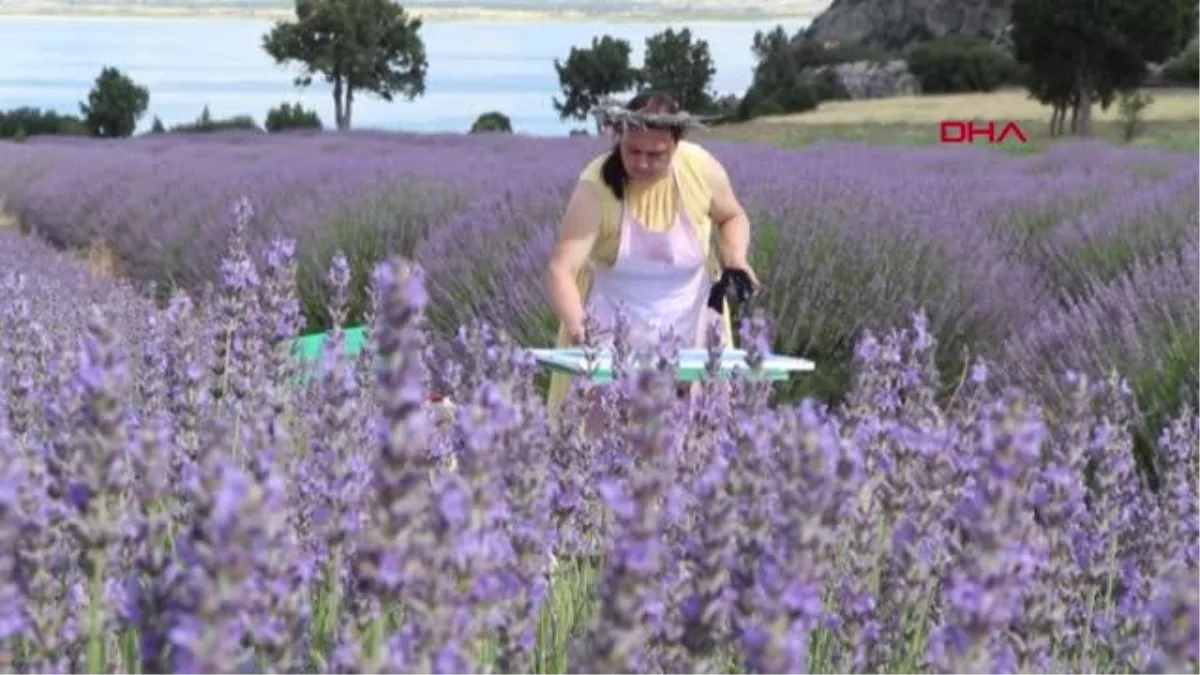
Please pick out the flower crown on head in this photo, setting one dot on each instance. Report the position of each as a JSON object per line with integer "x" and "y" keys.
{"x": 620, "y": 118}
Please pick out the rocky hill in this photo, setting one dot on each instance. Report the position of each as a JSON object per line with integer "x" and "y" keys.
{"x": 891, "y": 25}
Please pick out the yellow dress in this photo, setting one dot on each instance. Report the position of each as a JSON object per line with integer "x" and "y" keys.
{"x": 654, "y": 206}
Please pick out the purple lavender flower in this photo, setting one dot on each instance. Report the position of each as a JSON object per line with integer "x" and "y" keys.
{"x": 958, "y": 494}
{"x": 619, "y": 640}
{"x": 13, "y": 623}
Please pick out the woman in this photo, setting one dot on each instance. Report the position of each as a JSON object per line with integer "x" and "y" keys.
{"x": 637, "y": 232}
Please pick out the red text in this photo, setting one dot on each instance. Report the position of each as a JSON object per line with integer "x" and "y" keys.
{"x": 963, "y": 131}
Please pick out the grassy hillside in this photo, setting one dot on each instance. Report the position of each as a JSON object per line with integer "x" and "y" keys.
{"x": 1170, "y": 121}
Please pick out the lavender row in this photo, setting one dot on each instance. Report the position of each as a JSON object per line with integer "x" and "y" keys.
{"x": 1013, "y": 259}
{"x": 174, "y": 502}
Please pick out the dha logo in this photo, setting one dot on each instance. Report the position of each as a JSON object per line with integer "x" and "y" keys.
{"x": 963, "y": 131}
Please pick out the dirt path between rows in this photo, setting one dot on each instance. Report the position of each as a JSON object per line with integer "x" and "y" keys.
{"x": 101, "y": 261}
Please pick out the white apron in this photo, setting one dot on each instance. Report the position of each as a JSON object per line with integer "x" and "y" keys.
{"x": 660, "y": 279}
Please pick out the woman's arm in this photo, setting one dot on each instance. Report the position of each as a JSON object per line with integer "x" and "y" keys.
{"x": 576, "y": 235}
{"x": 730, "y": 219}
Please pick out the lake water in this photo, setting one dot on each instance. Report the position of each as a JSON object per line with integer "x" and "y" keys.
{"x": 474, "y": 67}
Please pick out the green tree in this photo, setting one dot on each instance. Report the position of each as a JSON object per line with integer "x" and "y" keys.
{"x": 1053, "y": 84}
{"x": 355, "y": 45}
{"x": 678, "y": 65}
{"x": 291, "y": 116}
{"x": 492, "y": 122}
{"x": 780, "y": 84}
{"x": 36, "y": 122}
{"x": 206, "y": 123}
{"x": 957, "y": 64}
{"x": 591, "y": 74}
{"x": 1080, "y": 52}
{"x": 114, "y": 105}
{"x": 1183, "y": 70}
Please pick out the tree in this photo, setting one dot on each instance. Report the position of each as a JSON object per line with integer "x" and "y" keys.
{"x": 780, "y": 84}
{"x": 957, "y": 64}
{"x": 676, "y": 65}
{"x": 291, "y": 116}
{"x": 1053, "y": 86}
{"x": 1078, "y": 52}
{"x": 206, "y": 123}
{"x": 592, "y": 74}
{"x": 28, "y": 121}
{"x": 1183, "y": 70}
{"x": 114, "y": 105}
{"x": 492, "y": 122}
{"x": 355, "y": 45}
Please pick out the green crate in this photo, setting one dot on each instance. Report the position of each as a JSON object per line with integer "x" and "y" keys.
{"x": 308, "y": 348}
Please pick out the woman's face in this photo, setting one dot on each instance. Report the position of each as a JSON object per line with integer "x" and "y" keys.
{"x": 646, "y": 153}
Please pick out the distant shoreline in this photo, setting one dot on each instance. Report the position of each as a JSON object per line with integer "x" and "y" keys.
{"x": 33, "y": 11}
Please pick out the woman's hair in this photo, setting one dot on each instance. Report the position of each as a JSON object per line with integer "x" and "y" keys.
{"x": 613, "y": 170}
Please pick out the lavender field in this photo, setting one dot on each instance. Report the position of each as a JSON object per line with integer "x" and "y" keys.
{"x": 993, "y": 470}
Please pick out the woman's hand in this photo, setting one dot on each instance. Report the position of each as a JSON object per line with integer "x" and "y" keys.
{"x": 755, "y": 284}
{"x": 576, "y": 335}
{"x": 743, "y": 265}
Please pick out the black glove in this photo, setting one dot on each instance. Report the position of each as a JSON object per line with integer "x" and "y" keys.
{"x": 735, "y": 283}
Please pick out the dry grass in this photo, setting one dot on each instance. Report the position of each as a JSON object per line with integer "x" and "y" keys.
{"x": 1171, "y": 122}
{"x": 7, "y": 220}
{"x": 102, "y": 261}
{"x": 1170, "y": 105}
